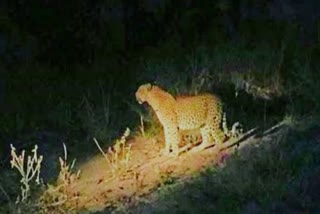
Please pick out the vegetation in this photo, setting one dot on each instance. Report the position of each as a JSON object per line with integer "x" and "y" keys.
{"x": 69, "y": 71}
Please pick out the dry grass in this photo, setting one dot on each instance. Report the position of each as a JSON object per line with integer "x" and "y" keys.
{"x": 29, "y": 168}
{"x": 63, "y": 196}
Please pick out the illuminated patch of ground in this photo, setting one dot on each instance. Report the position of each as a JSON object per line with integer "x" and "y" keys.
{"x": 99, "y": 187}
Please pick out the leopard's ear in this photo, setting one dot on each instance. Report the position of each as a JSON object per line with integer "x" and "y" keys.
{"x": 148, "y": 86}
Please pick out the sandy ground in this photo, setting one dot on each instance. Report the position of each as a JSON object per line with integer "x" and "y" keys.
{"x": 100, "y": 187}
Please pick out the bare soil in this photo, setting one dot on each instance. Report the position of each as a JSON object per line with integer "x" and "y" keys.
{"x": 100, "y": 187}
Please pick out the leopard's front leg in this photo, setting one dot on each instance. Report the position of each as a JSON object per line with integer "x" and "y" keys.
{"x": 172, "y": 139}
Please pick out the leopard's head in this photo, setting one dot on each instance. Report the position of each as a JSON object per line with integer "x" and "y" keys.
{"x": 142, "y": 93}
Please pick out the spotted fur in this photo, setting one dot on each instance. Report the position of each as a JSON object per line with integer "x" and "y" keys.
{"x": 202, "y": 112}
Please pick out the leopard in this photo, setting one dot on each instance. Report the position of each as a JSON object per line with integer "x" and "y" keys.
{"x": 189, "y": 112}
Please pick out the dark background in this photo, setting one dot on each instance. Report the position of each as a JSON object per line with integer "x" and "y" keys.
{"x": 37, "y": 31}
